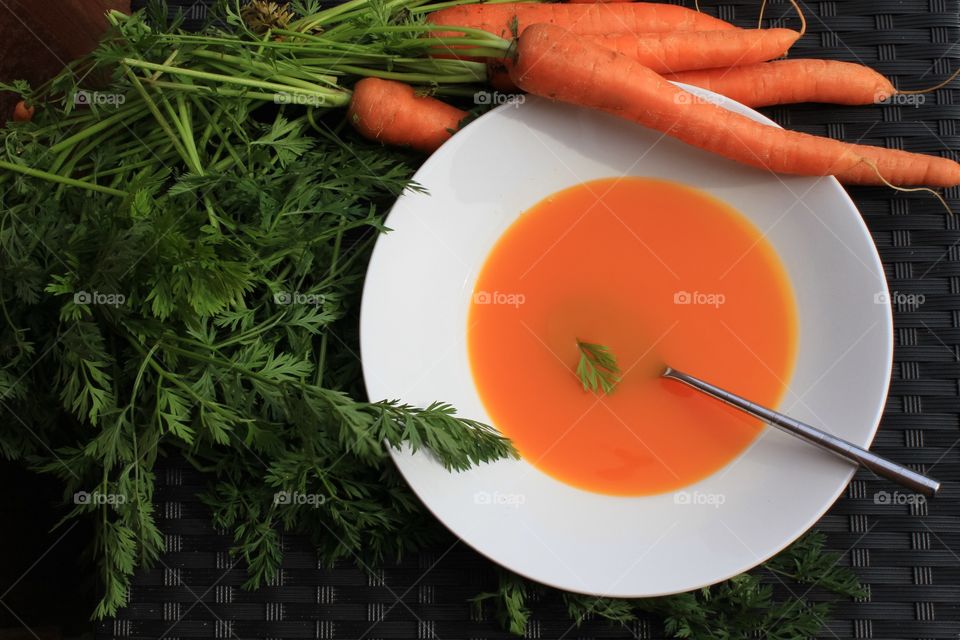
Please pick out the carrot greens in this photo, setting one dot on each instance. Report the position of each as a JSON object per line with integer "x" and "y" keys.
{"x": 181, "y": 254}
{"x": 597, "y": 367}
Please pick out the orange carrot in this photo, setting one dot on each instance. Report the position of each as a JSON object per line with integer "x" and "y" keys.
{"x": 795, "y": 80}
{"x": 392, "y": 113}
{"x": 557, "y": 64}
{"x": 615, "y": 17}
{"x": 680, "y": 51}
{"x": 683, "y": 50}
{"x": 23, "y": 113}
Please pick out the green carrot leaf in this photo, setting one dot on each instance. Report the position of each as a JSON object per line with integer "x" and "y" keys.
{"x": 597, "y": 368}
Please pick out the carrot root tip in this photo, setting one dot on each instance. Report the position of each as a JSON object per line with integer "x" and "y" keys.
{"x": 936, "y": 194}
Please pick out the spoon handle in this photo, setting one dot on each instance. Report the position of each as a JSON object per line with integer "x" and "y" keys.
{"x": 879, "y": 465}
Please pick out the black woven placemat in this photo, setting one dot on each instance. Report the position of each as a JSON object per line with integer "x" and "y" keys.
{"x": 909, "y": 554}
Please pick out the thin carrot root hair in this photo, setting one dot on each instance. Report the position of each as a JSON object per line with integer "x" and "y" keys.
{"x": 696, "y": 5}
{"x": 953, "y": 76}
{"x": 936, "y": 194}
{"x": 803, "y": 18}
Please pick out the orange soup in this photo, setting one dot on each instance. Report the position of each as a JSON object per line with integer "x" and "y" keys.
{"x": 661, "y": 274}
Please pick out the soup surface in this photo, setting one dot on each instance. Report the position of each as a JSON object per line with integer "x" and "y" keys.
{"x": 659, "y": 273}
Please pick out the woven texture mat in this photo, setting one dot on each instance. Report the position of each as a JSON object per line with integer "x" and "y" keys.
{"x": 909, "y": 554}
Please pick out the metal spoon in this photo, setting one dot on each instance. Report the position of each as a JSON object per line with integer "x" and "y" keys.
{"x": 847, "y": 450}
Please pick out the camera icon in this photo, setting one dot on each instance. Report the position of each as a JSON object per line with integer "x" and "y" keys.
{"x": 881, "y": 497}
{"x": 482, "y": 297}
{"x": 282, "y": 297}
{"x": 81, "y": 497}
{"x": 282, "y": 497}
{"x": 81, "y": 97}
{"x": 681, "y": 497}
{"x": 682, "y": 297}
{"x": 881, "y": 297}
{"x": 482, "y": 97}
{"x": 82, "y": 297}
{"x": 482, "y": 497}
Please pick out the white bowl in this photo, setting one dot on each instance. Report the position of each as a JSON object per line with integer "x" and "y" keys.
{"x": 413, "y": 339}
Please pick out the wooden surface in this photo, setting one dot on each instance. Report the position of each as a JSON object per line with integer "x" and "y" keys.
{"x": 38, "y": 37}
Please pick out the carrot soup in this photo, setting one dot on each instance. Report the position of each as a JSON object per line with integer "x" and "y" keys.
{"x": 660, "y": 273}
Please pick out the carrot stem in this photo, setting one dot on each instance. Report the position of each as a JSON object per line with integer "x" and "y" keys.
{"x": 185, "y": 124}
{"x": 66, "y": 170}
{"x": 478, "y": 33}
{"x": 306, "y": 85}
{"x": 125, "y": 115}
{"x": 52, "y": 177}
{"x": 498, "y": 49}
{"x": 456, "y": 91}
{"x": 482, "y": 52}
{"x": 423, "y": 78}
{"x": 220, "y": 91}
{"x": 344, "y": 11}
{"x": 329, "y": 97}
{"x": 320, "y": 40}
{"x": 215, "y": 128}
{"x": 116, "y": 170}
{"x": 307, "y": 23}
{"x": 268, "y": 68}
{"x": 152, "y": 106}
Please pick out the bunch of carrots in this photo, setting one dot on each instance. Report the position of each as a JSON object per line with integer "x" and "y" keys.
{"x": 620, "y": 57}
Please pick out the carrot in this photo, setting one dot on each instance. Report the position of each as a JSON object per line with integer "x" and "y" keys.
{"x": 556, "y": 64}
{"x": 683, "y": 50}
{"x": 22, "y": 112}
{"x": 615, "y": 17}
{"x": 790, "y": 81}
{"x": 762, "y": 85}
{"x": 392, "y": 113}
{"x": 680, "y": 51}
